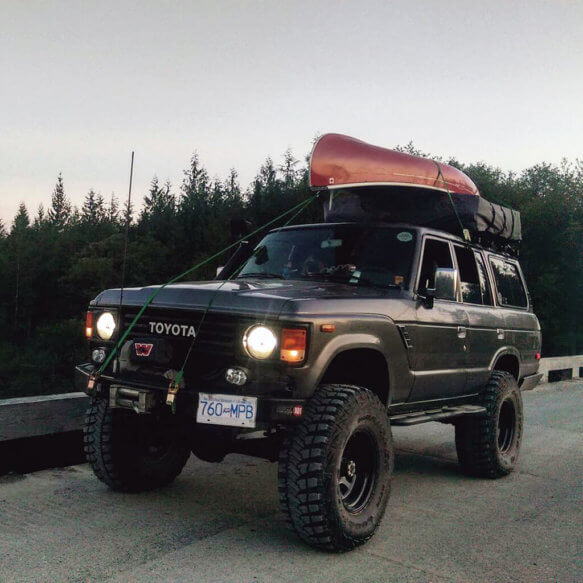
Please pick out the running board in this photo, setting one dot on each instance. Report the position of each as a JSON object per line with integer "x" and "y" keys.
{"x": 443, "y": 414}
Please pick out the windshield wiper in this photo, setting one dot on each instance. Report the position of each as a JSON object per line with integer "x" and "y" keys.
{"x": 336, "y": 277}
{"x": 260, "y": 274}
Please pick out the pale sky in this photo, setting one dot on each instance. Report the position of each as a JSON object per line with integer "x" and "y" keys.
{"x": 84, "y": 83}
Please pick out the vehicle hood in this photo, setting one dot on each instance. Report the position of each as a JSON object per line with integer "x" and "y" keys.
{"x": 248, "y": 296}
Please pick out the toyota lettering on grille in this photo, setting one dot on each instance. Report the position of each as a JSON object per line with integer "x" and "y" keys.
{"x": 172, "y": 329}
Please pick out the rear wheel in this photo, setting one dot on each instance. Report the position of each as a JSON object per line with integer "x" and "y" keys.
{"x": 335, "y": 468}
{"x": 488, "y": 445}
{"x": 131, "y": 452}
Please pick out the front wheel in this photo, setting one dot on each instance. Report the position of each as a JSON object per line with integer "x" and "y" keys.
{"x": 131, "y": 452}
{"x": 488, "y": 446}
{"x": 335, "y": 468}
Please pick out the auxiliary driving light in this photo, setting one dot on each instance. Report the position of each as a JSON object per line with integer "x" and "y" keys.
{"x": 259, "y": 342}
{"x": 105, "y": 325}
{"x": 236, "y": 376}
{"x": 98, "y": 356}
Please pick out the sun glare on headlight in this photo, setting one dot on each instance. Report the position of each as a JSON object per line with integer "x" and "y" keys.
{"x": 260, "y": 342}
{"x": 105, "y": 325}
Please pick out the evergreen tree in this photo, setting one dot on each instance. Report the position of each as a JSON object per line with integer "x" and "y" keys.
{"x": 233, "y": 188}
{"x": 112, "y": 211}
{"x": 195, "y": 185}
{"x": 158, "y": 202}
{"x": 60, "y": 209}
{"x": 93, "y": 210}
{"x": 21, "y": 221}
{"x": 288, "y": 169}
{"x": 193, "y": 209}
{"x": 127, "y": 213}
{"x": 40, "y": 218}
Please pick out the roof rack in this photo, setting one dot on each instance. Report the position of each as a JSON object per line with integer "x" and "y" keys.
{"x": 366, "y": 182}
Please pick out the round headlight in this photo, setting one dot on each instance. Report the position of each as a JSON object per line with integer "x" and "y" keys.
{"x": 260, "y": 342}
{"x": 105, "y": 325}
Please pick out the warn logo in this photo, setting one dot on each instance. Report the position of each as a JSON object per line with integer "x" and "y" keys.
{"x": 143, "y": 349}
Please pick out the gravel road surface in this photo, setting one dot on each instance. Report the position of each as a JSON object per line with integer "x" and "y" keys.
{"x": 221, "y": 522}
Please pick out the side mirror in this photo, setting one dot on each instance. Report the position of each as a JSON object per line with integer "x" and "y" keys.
{"x": 219, "y": 269}
{"x": 446, "y": 284}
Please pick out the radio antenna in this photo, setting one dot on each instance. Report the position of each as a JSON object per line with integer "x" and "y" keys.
{"x": 127, "y": 233}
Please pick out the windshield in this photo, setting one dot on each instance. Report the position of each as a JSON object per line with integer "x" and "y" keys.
{"x": 350, "y": 253}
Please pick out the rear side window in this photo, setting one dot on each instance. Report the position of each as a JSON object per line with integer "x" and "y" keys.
{"x": 484, "y": 284}
{"x": 469, "y": 276}
{"x": 511, "y": 291}
{"x": 435, "y": 254}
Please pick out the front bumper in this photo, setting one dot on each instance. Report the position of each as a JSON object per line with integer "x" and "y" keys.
{"x": 270, "y": 409}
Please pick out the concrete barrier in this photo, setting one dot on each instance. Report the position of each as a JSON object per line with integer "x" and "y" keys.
{"x": 557, "y": 368}
{"x": 44, "y": 415}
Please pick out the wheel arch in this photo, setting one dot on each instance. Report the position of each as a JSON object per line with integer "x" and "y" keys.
{"x": 507, "y": 360}
{"x": 362, "y": 366}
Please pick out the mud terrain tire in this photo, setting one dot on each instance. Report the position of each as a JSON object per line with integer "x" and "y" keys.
{"x": 335, "y": 468}
{"x": 131, "y": 452}
{"x": 488, "y": 445}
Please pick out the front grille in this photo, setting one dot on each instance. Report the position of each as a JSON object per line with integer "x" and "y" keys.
{"x": 218, "y": 333}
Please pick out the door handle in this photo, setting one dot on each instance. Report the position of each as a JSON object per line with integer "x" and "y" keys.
{"x": 500, "y": 333}
{"x": 461, "y": 332}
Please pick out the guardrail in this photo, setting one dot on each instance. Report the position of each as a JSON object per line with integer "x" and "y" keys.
{"x": 49, "y": 416}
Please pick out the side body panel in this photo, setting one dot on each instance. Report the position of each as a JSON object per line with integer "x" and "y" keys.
{"x": 440, "y": 348}
{"x": 522, "y": 334}
{"x": 486, "y": 335}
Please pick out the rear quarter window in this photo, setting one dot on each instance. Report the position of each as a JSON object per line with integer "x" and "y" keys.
{"x": 509, "y": 284}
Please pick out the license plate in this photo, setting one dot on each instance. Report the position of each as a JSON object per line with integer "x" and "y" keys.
{"x": 232, "y": 410}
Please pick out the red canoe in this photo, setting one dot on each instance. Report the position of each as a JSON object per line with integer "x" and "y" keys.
{"x": 339, "y": 160}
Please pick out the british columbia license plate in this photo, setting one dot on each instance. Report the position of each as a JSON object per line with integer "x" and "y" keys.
{"x": 226, "y": 410}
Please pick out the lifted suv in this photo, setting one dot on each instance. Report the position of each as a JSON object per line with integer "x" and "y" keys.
{"x": 307, "y": 348}
{"x": 322, "y": 339}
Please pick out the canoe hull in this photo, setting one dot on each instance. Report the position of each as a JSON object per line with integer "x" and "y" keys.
{"x": 339, "y": 160}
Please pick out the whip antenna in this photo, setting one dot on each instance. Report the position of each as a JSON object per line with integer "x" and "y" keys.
{"x": 127, "y": 233}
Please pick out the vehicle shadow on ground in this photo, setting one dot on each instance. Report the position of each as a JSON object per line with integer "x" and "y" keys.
{"x": 242, "y": 490}
{"x": 416, "y": 462}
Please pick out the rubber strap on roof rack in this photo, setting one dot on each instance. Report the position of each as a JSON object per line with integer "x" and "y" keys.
{"x": 465, "y": 233}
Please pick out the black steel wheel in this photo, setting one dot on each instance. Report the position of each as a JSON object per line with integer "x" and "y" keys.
{"x": 488, "y": 445}
{"x": 335, "y": 468}
{"x": 131, "y": 452}
{"x": 358, "y": 471}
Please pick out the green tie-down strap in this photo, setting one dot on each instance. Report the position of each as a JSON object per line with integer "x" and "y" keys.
{"x": 298, "y": 208}
{"x": 178, "y": 378}
{"x": 465, "y": 232}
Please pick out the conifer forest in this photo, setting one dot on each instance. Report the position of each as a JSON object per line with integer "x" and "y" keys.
{"x": 55, "y": 259}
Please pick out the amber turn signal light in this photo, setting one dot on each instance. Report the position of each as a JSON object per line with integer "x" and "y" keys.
{"x": 293, "y": 344}
{"x": 89, "y": 324}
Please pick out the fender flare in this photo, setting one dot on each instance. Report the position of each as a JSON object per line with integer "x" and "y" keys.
{"x": 504, "y": 351}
